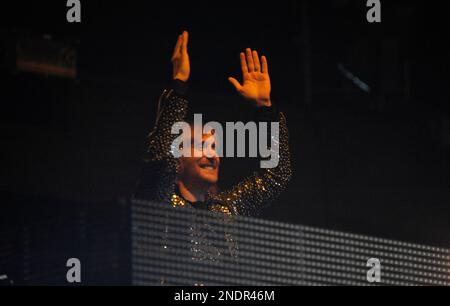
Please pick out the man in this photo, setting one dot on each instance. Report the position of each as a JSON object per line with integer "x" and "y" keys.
{"x": 193, "y": 180}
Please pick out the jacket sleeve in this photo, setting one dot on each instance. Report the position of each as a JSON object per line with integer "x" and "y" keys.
{"x": 158, "y": 173}
{"x": 258, "y": 190}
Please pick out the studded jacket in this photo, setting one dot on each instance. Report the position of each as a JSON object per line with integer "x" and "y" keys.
{"x": 157, "y": 180}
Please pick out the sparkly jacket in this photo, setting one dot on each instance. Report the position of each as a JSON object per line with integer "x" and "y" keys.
{"x": 157, "y": 180}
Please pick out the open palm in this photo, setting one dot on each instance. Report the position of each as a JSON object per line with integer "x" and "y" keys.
{"x": 256, "y": 80}
{"x": 180, "y": 58}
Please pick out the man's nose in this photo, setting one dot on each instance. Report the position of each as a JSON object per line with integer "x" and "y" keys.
{"x": 210, "y": 153}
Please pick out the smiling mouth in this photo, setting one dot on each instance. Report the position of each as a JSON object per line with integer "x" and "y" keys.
{"x": 208, "y": 166}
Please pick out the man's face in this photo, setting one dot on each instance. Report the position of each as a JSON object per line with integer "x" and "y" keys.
{"x": 200, "y": 171}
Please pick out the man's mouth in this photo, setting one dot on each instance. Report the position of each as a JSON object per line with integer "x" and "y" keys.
{"x": 209, "y": 166}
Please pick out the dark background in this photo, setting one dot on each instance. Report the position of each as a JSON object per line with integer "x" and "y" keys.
{"x": 367, "y": 162}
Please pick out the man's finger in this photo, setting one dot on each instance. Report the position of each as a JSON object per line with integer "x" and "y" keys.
{"x": 185, "y": 40}
{"x": 235, "y": 83}
{"x": 250, "y": 64}
{"x": 243, "y": 64}
{"x": 256, "y": 61}
{"x": 265, "y": 66}
{"x": 177, "y": 46}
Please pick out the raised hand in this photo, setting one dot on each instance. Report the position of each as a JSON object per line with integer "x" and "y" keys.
{"x": 256, "y": 80}
{"x": 180, "y": 58}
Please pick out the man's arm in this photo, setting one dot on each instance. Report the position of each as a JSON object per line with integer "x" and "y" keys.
{"x": 172, "y": 106}
{"x": 159, "y": 171}
{"x": 254, "y": 192}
